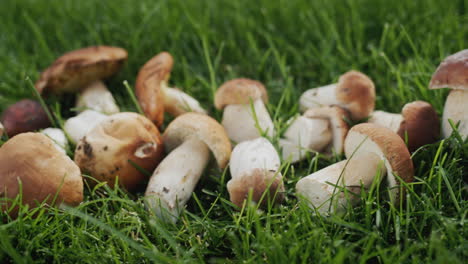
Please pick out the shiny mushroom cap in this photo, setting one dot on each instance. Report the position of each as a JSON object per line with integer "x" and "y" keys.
{"x": 76, "y": 69}
{"x": 356, "y": 92}
{"x": 202, "y": 127}
{"x": 452, "y": 72}
{"x": 240, "y": 91}
{"x": 117, "y": 146}
{"x": 24, "y": 116}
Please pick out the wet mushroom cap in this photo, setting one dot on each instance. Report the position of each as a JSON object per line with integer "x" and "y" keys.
{"x": 357, "y": 92}
{"x": 452, "y": 72}
{"x": 33, "y": 160}
{"x": 117, "y": 147}
{"x": 76, "y": 69}
{"x": 148, "y": 86}
{"x": 204, "y": 128}
{"x": 24, "y": 116}
{"x": 240, "y": 91}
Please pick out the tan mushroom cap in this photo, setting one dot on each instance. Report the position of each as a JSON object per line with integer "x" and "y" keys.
{"x": 202, "y": 127}
{"x": 367, "y": 137}
{"x": 106, "y": 151}
{"x": 76, "y": 69}
{"x": 31, "y": 162}
{"x": 420, "y": 124}
{"x": 240, "y": 91}
{"x": 258, "y": 181}
{"x": 337, "y": 117}
{"x": 148, "y": 86}
{"x": 356, "y": 92}
{"x": 452, "y": 72}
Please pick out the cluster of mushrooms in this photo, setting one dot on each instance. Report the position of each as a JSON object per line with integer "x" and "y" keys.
{"x": 127, "y": 149}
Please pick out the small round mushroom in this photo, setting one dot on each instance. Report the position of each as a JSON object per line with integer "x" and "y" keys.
{"x": 120, "y": 146}
{"x": 254, "y": 167}
{"x": 97, "y": 97}
{"x": 31, "y": 164}
{"x": 188, "y": 140}
{"x": 155, "y": 96}
{"x": 58, "y": 137}
{"x": 77, "y": 127}
{"x": 418, "y": 123}
{"x": 76, "y": 69}
{"x": 452, "y": 73}
{"x": 354, "y": 91}
{"x": 24, "y": 116}
{"x": 239, "y": 117}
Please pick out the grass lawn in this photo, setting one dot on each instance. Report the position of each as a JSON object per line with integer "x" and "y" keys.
{"x": 290, "y": 46}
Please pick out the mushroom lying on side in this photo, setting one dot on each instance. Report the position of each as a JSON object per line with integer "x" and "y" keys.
{"x": 371, "y": 150}
{"x": 97, "y": 97}
{"x": 452, "y": 73}
{"x": 239, "y": 117}
{"x": 24, "y": 116}
{"x": 254, "y": 167}
{"x": 418, "y": 123}
{"x": 31, "y": 164}
{"x": 58, "y": 137}
{"x": 120, "y": 146}
{"x": 354, "y": 92}
{"x": 188, "y": 140}
{"x": 155, "y": 96}
{"x": 78, "y": 126}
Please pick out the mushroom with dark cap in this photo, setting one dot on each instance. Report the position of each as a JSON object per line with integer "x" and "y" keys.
{"x": 24, "y": 116}
{"x": 452, "y": 73}
{"x": 31, "y": 164}
{"x": 120, "y": 146}
{"x": 354, "y": 92}
{"x": 188, "y": 140}
{"x": 418, "y": 123}
{"x": 239, "y": 120}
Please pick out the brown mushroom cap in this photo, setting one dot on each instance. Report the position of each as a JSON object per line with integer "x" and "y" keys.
{"x": 240, "y": 91}
{"x": 367, "y": 137}
{"x": 106, "y": 151}
{"x": 148, "y": 86}
{"x": 420, "y": 124}
{"x": 356, "y": 92}
{"x": 24, "y": 116}
{"x": 202, "y": 127}
{"x": 76, "y": 69}
{"x": 31, "y": 163}
{"x": 452, "y": 72}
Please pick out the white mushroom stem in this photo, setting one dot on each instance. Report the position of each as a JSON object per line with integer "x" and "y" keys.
{"x": 98, "y": 98}
{"x": 240, "y": 124}
{"x": 324, "y": 188}
{"x": 2, "y": 129}
{"x": 174, "y": 180}
{"x": 388, "y": 120}
{"x": 316, "y": 97}
{"x": 305, "y": 134}
{"x": 176, "y": 102}
{"x": 77, "y": 127}
{"x": 456, "y": 109}
{"x": 58, "y": 137}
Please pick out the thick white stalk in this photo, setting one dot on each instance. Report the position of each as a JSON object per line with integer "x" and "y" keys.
{"x": 174, "y": 180}
{"x": 316, "y": 97}
{"x": 456, "y": 109}
{"x": 58, "y": 137}
{"x": 176, "y": 102}
{"x": 98, "y": 98}
{"x": 77, "y": 127}
{"x": 388, "y": 120}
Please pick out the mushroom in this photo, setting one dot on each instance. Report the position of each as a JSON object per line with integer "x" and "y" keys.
{"x": 76, "y": 69}
{"x": 123, "y": 145}
{"x": 32, "y": 166}
{"x": 452, "y": 73}
{"x": 97, "y": 97}
{"x": 371, "y": 150}
{"x": 188, "y": 139}
{"x": 354, "y": 92}
{"x": 254, "y": 167}
{"x": 2, "y": 129}
{"x": 77, "y": 127}
{"x": 24, "y": 116}
{"x": 418, "y": 123}
{"x": 58, "y": 137}
{"x": 320, "y": 129}
{"x": 155, "y": 96}
{"x": 239, "y": 116}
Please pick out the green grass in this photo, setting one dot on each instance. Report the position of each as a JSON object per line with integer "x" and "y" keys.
{"x": 289, "y": 45}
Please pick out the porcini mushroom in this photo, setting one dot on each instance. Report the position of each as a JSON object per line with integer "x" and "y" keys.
{"x": 24, "y": 116}
{"x": 418, "y": 123}
{"x": 452, "y": 73}
{"x": 76, "y": 69}
{"x": 32, "y": 166}
{"x": 188, "y": 140}
{"x": 239, "y": 117}
{"x": 2, "y": 129}
{"x": 78, "y": 126}
{"x": 155, "y": 96}
{"x": 58, "y": 137}
{"x": 254, "y": 167}
{"x": 354, "y": 92}
{"x": 120, "y": 146}
{"x": 97, "y": 97}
